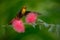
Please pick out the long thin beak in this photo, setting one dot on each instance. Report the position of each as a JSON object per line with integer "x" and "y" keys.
{"x": 39, "y": 13}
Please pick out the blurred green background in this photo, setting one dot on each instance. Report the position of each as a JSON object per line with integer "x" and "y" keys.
{"x": 50, "y": 10}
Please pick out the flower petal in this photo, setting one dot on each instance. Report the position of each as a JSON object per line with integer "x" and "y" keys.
{"x": 18, "y": 25}
{"x": 31, "y": 17}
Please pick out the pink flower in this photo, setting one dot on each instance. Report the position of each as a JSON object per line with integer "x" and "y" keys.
{"x": 31, "y": 17}
{"x": 18, "y": 26}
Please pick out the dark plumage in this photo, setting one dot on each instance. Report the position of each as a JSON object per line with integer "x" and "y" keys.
{"x": 22, "y": 13}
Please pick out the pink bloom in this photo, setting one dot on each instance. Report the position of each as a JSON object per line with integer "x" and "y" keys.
{"x": 18, "y": 25}
{"x": 31, "y": 17}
